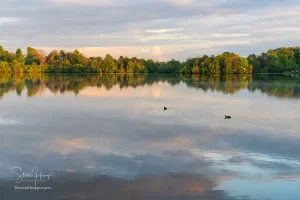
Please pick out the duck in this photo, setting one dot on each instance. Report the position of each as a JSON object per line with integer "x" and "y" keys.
{"x": 165, "y": 108}
{"x": 227, "y": 117}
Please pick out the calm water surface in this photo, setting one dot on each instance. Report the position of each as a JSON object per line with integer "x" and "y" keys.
{"x": 108, "y": 137}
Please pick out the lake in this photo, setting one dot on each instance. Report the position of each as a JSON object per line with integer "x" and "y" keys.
{"x": 108, "y": 137}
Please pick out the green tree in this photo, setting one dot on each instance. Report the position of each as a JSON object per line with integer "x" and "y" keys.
{"x": 20, "y": 57}
{"x": 245, "y": 68}
{"x": 185, "y": 70}
{"x": 121, "y": 65}
{"x": 62, "y": 55}
{"x": 109, "y": 64}
{"x": 3, "y": 54}
{"x": 214, "y": 67}
{"x": 130, "y": 67}
{"x": 76, "y": 57}
{"x": 32, "y": 56}
{"x": 252, "y": 60}
{"x": 151, "y": 66}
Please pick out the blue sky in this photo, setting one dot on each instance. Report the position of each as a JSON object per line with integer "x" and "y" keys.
{"x": 158, "y": 29}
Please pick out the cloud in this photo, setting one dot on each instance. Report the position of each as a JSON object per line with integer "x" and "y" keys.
{"x": 241, "y": 26}
{"x": 7, "y": 20}
{"x": 84, "y": 2}
{"x": 5, "y": 122}
{"x": 163, "y": 30}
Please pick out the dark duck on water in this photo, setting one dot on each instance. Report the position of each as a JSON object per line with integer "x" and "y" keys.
{"x": 227, "y": 117}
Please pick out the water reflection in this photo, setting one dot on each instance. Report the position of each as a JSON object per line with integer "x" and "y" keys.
{"x": 279, "y": 86}
{"x": 113, "y": 140}
{"x": 173, "y": 186}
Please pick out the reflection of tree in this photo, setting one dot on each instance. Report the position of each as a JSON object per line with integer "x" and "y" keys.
{"x": 8, "y": 82}
{"x": 228, "y": 84}
{"x": 234, "y": 83}
{"x": 285, "y": 87}
{"x": 280, "y": 86}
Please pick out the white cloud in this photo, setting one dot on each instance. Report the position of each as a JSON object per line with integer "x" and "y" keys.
{"x": 189, "y": 2}
{"x": 84, "y": 2}
{"x": 4, "y": 122}
{"x": 7, "y": 20}
{"x": 181, "y": 28}
{"x": 163, "y": 30}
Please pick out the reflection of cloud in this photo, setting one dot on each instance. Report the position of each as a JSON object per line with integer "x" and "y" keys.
{"x": 288, "y": 177}
{"x": 172, "y": 186}
{"x": 4, "y": 121}
{"x": 156, "y": 92}
{"x": 169, "y": 186}
{"x": 66, "y": 146}
{"x": 175, "y": 143}
{"x": 102, "y": 92}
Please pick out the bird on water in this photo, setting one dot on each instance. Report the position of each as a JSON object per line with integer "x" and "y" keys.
{"x": 227, "y": 117}
{"x": 165, "y": 108}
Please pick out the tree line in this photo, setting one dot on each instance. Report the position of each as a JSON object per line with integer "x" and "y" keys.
{"x": 36, "y": 61}
{"x": 276, "y": 60}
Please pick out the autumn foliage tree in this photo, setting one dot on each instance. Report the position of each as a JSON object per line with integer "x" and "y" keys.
{"x": 60, "y": 61}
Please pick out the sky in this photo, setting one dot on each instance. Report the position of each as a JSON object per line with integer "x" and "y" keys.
{"x": 157, "y": 29}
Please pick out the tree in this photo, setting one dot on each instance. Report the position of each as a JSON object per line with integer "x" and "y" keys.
{"x": 204, "y": 63}
{"x": 286, "y": 51}
{"x": 20, "y": 57}
{"x": 214, "y": 67}
{"x": 278, "y": 60}
{"x": 173, "y": 65}
{"x": 75, "y": 57}
{"x": 32, "y": 53}
{"x": 4, "y": 67}
{"x": 185, "y": 70}
{"x": 245, "y": 68}
{"x": 109, "y": 64}
{"x": 151, "y": 66}
{"x": 18, "y": 67}
{"x": 32, "y": 56}
{"x": 252, "y": 60}
{"x": 121, "y": 65}
{"x": 2, "y": 54}
{"x": 53, "y": 55}
{"x": 41, "y": 59}
{"x": 272, "y": 54}
{"x": 195, "y": 69}
{"x": 130, "y": 67}
{"x": 62, "y": 55}
{"x": 228, "y": 64}
{"x": 96, "y": 64}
